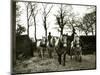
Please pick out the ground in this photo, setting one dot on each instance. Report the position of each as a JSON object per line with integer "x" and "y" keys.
{"x": 36, "y": 64}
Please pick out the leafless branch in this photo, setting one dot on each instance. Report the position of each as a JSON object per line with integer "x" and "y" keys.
{"x": 49, "y": 10}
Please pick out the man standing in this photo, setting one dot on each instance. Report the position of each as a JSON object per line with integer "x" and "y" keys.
{"x": 49, "y": 38}
{"x": 50, "y": 45}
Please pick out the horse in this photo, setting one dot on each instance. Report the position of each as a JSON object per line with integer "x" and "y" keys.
{"x": 61, "y": 45}
{"x": 51, "y": 46}
{"x": 76, "y": 49}
{"x": 65, "y": 45}
{"x": 46, "y": 47}
{"x": 41, "y": 47}
{"x": 61, "y": 49}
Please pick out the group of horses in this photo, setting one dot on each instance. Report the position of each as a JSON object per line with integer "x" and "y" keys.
{"x": 62, "y": 45}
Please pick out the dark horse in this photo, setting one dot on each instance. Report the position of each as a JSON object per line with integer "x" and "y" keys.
{"x": 64, "y": 47}
{"x": 76, "y": 49}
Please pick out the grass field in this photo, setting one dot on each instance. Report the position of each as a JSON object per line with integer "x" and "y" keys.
{"x": 36, "y": 64}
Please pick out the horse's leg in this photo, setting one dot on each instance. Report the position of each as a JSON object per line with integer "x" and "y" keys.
{"x": 64, "y": 59}
{"x": 48, "y": 52}
{"x": 70, "y": 54}
{"x": 59, "y": 58}
{"x": 43, "y": 52}
{"x": 39, "y": 52}
{"x": 80, "y": 56}
{"x": 76, "y": 57}
{"x": 52, "y": 49}
{"x": 33, "y": 52}
{"x": 51, "y": 53}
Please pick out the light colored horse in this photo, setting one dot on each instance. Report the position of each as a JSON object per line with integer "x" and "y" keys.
{"x": 47, "y": 47}
{"x": 76, "y": 49}
{"x": 41, "y": 47}
{"x": 51, "y": 45}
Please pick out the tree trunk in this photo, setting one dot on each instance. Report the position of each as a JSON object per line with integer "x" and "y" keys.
{"x": 35, "y": 29}
{"x": 46, "y": 33}
{"x": 46, "y": 36}
{"x": 59, "y": 58}
{"x": 86, "y": 33}
{"x": 45, "y": 27}
{"x": 28, "y": 30}
{"x": 92, "y": 31}
{"x": 61, "y": 31}
{"x": 27, "y": 22}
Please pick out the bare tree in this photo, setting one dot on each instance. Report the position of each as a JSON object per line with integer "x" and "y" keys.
{"x": 28, "y": 16}
{"x": 34, "y": 13}
{"x": 89, "y": 22}
{"x": 60, "y": 19}
{"x": 45, "y": 16}
{"x": 78, "y": 25}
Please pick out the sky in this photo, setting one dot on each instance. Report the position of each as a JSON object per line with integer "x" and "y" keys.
{"x": 78, "y": 10}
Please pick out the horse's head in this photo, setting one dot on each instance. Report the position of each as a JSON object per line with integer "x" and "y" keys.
{"x": 76, "y": 41}
{"x": 57, "y": 41}
{"x": 64, "y": 41}
{"x": 61, "y": 41}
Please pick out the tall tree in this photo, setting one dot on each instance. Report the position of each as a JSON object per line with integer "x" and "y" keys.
{"x": 89, "y": 22}
{"x": 60, "y": 19}
{"x": 28, "y": 16}
{"x": 34, "y": 12}
{"x": 45, "y": 16}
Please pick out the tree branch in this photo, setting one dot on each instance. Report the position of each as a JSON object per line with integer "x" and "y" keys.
{"x": 49, "y": 10}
